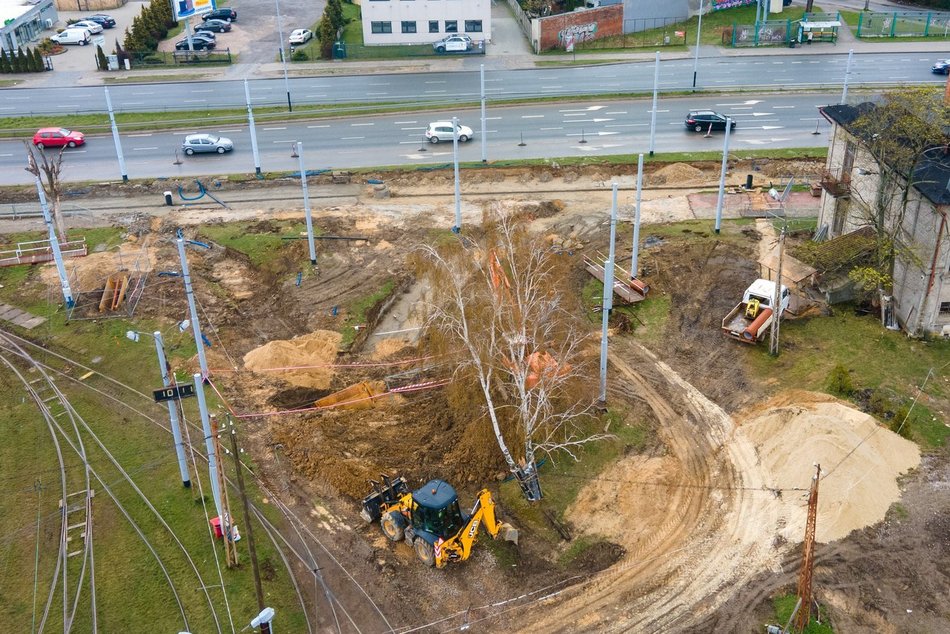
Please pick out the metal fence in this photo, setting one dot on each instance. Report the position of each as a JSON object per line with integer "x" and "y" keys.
{"x": 164, "y": 58}
{"x": 904, "y": 24}
{"x": 523, "y": 20}
{"x": 641, "y": 33}
{"x": 358, "y": 51}
{"x": 768, "y": 33}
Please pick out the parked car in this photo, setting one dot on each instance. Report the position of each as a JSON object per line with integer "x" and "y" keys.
{"x": 58, "y": 137}
{"x": 197, "y": 143}
{"x": 442, "y": 131}
{"x": 72, "y": 36}
{"x": 229, "y": 15}
{"x": 700, "y": 120}
{"x": 198, "y": 43}
{"x": 453, "y": 43}
{"x": 93, "y": 27}
{"x": 300, "y": 36}
{"x": 106, "y": 21}
{"x": 942, "y": 67}
{"x": 221, "y": 26}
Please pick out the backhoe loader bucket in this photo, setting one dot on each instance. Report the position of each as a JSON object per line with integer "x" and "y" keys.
{"x": 508, "y": 533}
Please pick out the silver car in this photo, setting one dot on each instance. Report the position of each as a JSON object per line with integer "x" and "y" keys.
{"x": 195, "y": 143}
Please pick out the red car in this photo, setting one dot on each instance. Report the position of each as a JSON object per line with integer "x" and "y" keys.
{"x": 57, "y": 137}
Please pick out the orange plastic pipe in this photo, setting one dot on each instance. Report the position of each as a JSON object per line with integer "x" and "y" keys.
{"x": 749, "y": 334}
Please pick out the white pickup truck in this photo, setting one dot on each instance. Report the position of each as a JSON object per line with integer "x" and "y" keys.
{"x": 750, "y": 319}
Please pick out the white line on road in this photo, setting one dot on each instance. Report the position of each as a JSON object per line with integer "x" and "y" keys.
{"x": 351, "y": 138}
{"x": 355, "y": 125}
{"x": 623, "y": 125}
{"x": 140, "y": 135}
{"x": 202, "y": 91}
{"x": 618, "y": 112}
{"x": 133, "y": 103}
{"x": 437, "y": 81}
{"x": 233, "y": 130}
{"x": 532, "y": 116}
{"x": 194, "y": 101}
{"x": 415, "y": 128}
{"x": 551, "y": 87}
{"x": 436, "y": 92}
{"x": 550, "y": 128}
{"x": 142, "y": 149}
{"x": 403, "y": 122}
{"x": 143, "y": 93}
{"x": 6, "y": 155}
{"x": 376, "y": 83}
{"x": 492, "y": 118}
{"x": 283, "y": 128}
{"x": 67, "y": 106}
{"x": 376, "y": 93}
{"x": 18, "y": 98}
{"x": 782, "y": 107}
{"x": 182, "y": 133}
{"x": 313, "y": 96}
{"x": 318, "y": 126}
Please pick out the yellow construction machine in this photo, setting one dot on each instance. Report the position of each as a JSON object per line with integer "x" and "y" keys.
{"x": 430, "y": 519}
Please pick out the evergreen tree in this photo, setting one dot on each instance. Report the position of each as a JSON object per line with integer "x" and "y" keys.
{"x": 326, "y": 34}
{"x": 19, "y": 62}
{"x": 4, "y": 63}
{"x": 101, "y": 60}
{"x": 38, "y": 66}
{"x": 334, "y": 10}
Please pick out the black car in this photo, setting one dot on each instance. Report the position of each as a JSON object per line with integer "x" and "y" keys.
{"x": 103, "y": 20}
{"x": 220, "y": 26}
{"x": 229, "y": 15}
{"x": 700, "y": 120}
{"x": 199, "y": 44}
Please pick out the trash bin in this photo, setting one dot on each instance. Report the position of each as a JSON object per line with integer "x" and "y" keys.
{"x": 339, "y": 50}
{"x": 748, "y": 181}
{"x": 168, "y": 198}
{"x": 216, "y": 525}
{"x": 791, "y": 43}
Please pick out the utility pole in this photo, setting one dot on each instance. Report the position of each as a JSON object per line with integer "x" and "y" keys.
{"x": 458, "y": 187}
{"x": 283, "y": 58}
{"x": 265, "y": 627}
{"x": 635, "y": 255}
{"x": 115, "y": 138}
{"x": 847, "y": 74}
{"x": 227, "y": 519}
{"x": 656, "y": 85}
{"x": 484, "y": 121}
{"x": 54, "y": 242}
{"x": 777, "y": 301}
{"x": 172, "y": 411}
{"x": 210, "y": 448}
{"x": 722, "y": 176}
{"x": 608, "y": 297}
{"x": 808, "y": 555}
{"x": 306, "y": 205}
{"x": 190, "y": 295}
{"x": 699, "y": 29}
{"x": 252, "y": 129}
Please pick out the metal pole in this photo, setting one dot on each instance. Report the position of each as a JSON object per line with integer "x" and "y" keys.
{"x": 847, "y": 74}
{"x": 306, "y": 204}
{"x": 635, "y": 257}
{"x": 172, "y": 411}
{"x": 484, "y": 126}
{"x": 190, "y": 295}
{"x": 115, "y": 138}
{"x": 252, "y": 550}
{"x": 252, "y": 129}
{"x": 722, "y": 175}
{"x": 458, "y": 188}
{"x": 283, "y": 58}
{"x": 54, "y": 245}
{"x": 656, "y": 83}
{"x": 699, "y": 28}
{"x": 209, "y": 447}
{"x": 188, "y": 31}
{"x": 608, "y": 297}
{"x": 777, "y": 303}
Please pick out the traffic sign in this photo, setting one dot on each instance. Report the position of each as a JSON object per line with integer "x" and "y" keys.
{"x": 99, "y": 40}
{"x": 174, "y": 393}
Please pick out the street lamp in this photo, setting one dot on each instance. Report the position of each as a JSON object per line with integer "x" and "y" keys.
{"x": 699, "y": 28}
{"x": 283, "y": 58}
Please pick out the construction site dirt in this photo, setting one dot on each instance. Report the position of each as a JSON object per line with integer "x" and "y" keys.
{"x": 696, "y": 530}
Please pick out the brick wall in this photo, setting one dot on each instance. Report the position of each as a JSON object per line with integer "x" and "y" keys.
{"x": 591, "y": 24}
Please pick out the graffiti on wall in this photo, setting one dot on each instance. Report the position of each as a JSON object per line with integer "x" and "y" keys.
{"x": 577, "y": 33}
{"x": 729, "y": 4}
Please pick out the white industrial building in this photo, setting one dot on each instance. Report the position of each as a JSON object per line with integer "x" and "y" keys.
{"x": 423, "y": 21}
{"x": 22, "y": 22}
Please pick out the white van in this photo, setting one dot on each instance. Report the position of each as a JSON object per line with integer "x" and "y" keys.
{"x": 73, "y": 36}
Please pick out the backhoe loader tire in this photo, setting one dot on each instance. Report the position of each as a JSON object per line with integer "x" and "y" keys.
{"x": 424, "y": 552}
{"x": 393, "y": 525}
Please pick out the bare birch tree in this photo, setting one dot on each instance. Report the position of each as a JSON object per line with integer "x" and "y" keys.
{"x": 49, "y": 170}
{"x": 504, "y": 301}
{"x": 897, "y": 134}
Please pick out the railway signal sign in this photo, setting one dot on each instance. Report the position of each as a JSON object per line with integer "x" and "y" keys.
{"x": 174, "y": 393}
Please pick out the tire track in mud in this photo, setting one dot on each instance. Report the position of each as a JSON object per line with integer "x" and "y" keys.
{"x": 709, "y": 543}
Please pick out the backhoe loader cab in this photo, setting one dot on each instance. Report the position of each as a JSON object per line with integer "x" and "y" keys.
{"x": 431, "y": 520}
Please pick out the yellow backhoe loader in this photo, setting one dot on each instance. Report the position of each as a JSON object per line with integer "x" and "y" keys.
{"x": 430, "y": 519}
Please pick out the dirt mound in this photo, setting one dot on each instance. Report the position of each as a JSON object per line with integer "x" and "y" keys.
{"x": 861, "y": 462}
{"x": 676, "y": 174}
{"x": 303, "y": 361}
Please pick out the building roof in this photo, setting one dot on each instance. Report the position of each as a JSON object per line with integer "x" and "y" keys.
{"x": 932, "y": 173}
{"x": 13, "y": 9}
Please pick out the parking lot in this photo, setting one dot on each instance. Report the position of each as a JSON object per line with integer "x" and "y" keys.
{"x": 83, "y": 58}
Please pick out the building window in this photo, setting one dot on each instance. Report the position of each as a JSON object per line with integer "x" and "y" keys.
{"x": 451, "y": 26}
{"x": 842, "y": 209}
{"x": 473, "y": 26}
{"x": 408, "y": 27}
{"x": 433, "y": 26}
{"x": 850, "y": 150}
{"x": 945, "y": 308}
{"x": 381, "y": 27}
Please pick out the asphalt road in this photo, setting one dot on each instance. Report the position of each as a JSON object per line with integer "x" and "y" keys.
{"x": 548, "y": 131}
{"x": 767, "y": 72}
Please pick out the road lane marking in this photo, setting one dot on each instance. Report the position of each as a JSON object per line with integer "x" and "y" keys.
{"x": 194, "y": 101}
{"x": 234, "y": 130}
{"x": 618, "y": 112}
{"x": 782, "y": 107}
{"x": 67, "y": 106}
{"x": 377, "y": 93}
{"x": 403, "y": 122}
{"x": 355, "y": 125}
{"x": 137, "y": 149}
{"x": 202, "y": 91}
{"x": 438, "y": 81}
{"x": 559, "y": 128}
{"x": 492, "y": 118}
{"x": 313, "y": 96}
{"x": 352, "y": 138}
{"x": 318, "y": 126}
{"x": 140, "y": 135}
{"x": 436, "y": 92}
{"x": 283, "y": 128}
{"x": 532, "y": 116}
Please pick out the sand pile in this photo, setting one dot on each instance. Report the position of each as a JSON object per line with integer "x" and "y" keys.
{"x": 858, "y": 488}
{"x": 676, "y": 174}
{"x": 304, "y": 361}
